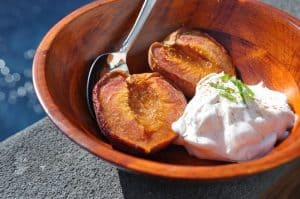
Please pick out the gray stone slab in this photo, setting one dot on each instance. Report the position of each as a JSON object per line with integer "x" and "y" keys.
{"x": 41, "y": 162}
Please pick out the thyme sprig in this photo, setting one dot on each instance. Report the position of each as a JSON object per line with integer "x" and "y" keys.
{"x": 229, "y": 93}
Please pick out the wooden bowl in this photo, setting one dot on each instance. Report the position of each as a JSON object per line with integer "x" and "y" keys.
{"x": 263, "y": 42}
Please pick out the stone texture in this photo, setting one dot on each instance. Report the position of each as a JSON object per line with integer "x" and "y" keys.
{"x": 41, "y": 162}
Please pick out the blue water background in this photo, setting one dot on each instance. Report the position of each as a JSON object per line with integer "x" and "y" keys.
{"x": 23, "y": 23}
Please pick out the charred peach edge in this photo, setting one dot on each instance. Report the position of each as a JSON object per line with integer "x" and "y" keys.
{"x": 186, "y": 86}
{"x": 119, "y": 142}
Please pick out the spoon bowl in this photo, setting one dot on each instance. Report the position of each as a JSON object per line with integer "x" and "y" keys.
{"x": 115, "y": 60}
{"x": 99, "y": 68}
{"x": 101, "y": 65}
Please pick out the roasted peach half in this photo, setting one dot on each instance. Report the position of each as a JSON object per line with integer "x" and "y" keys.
{"x": 186, "y": 56}
{"x": 135, "y": 112}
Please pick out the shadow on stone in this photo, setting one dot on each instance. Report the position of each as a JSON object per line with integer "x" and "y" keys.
{"x": 145, "y": 187}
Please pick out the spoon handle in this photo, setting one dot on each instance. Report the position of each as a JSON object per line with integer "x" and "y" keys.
{"x": 135, "y": 30}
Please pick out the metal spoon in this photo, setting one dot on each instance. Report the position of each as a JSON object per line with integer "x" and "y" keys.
{"x": 117, "y": 59}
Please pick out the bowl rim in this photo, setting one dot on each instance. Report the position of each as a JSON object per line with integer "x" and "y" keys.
{"x": 131, "y": 162}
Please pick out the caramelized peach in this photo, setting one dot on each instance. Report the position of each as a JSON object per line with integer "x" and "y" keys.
{"x": 135, "y": 112}
{"x": 185, "y": 56}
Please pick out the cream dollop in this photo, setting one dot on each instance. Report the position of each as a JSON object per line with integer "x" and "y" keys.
{"x": 213, "y": 127}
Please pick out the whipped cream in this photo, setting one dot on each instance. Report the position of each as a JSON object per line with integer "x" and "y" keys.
{"x": 214, "y": 127}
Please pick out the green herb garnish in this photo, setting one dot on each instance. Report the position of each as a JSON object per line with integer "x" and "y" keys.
{"x": 229, "y": 93}
{"x": 225, "y": 78}
{"x": 221, "y": 87}
{"x": 228, "y": 96}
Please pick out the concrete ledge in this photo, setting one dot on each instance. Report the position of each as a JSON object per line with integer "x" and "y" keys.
{"x": 41, "y": 162}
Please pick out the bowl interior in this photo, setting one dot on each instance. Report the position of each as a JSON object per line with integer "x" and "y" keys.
{"x": 262, "y": 45}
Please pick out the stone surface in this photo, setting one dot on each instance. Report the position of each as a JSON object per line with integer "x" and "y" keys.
{"x": 40, "y": 162}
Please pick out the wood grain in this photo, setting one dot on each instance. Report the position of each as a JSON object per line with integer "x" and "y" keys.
{"x": 262, "y": 41}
